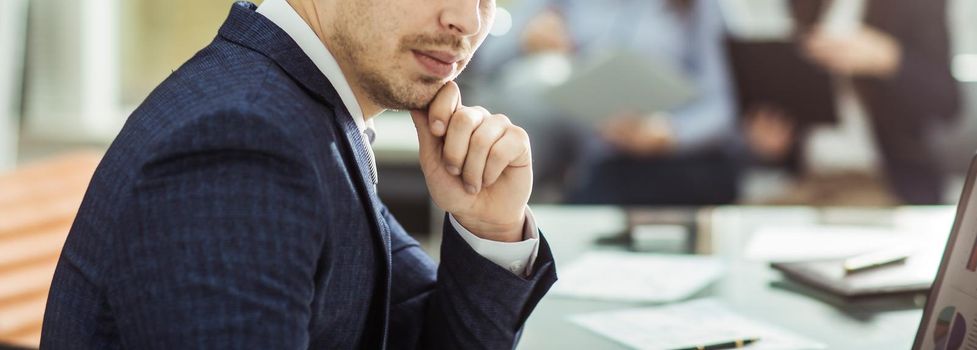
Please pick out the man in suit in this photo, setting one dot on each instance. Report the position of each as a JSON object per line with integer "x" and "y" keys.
{"x": 895, "y": 56}
{"x": 237, "y": 207}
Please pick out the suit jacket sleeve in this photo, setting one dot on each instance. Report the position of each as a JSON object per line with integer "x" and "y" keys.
{"x": 468, "y": 302}
{"x": 224, "y": 251}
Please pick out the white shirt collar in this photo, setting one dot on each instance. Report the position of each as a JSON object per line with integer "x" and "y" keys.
{"x": 283, "y": 15}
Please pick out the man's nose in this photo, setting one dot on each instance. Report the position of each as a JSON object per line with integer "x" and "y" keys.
{"x": 462, "y": 16}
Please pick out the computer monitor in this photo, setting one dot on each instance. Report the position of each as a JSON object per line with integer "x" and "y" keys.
{"x": 950, "y": 317}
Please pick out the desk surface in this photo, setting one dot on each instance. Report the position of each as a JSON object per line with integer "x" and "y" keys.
{"x": 751, "y": 288}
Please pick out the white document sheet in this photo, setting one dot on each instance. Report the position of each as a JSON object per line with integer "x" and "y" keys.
{"x": 636, "y": 277}
{"x": 620, "y": 82}
{"x": 688, "y": 324}
{"x": 807, "y": 243}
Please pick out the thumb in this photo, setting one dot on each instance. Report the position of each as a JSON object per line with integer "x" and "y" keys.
{"x": 429, "y": 144}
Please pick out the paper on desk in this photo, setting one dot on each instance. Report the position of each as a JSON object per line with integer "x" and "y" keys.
{"x": 688, "y": 324}
{"x": 812, "y": 242}
{"x": 636, "y": 277}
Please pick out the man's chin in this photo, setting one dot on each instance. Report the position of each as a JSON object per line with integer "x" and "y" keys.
{"x": 422, "y": 95}
{"x": 413, "y": 94}
{"x": 412, "y": 103}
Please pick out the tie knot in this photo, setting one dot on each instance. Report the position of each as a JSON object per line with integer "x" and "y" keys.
{"x": 370, "y": 134}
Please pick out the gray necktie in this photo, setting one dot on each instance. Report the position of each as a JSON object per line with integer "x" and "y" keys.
{"x": 369, "y": 135}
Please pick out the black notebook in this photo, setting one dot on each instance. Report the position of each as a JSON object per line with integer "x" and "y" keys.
{"x": 776, "y": 74}
{"x": 916, "y": 274}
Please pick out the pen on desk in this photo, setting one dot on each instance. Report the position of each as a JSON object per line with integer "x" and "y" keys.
{"x": 733, "y": 344}
{"x": 876, "y": 259}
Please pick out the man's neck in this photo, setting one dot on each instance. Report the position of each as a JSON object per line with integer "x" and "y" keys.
{"x": 310, "y": 14}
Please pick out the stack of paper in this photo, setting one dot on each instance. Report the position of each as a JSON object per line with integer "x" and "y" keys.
{"x": 688, "y": 325}
{"x": 636, "y": 277}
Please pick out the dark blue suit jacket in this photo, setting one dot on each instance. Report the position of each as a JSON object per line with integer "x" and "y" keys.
{"x": 234, "y": 210}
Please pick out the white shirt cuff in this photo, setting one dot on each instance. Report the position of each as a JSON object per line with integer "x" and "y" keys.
{"x": 517, "y": 257}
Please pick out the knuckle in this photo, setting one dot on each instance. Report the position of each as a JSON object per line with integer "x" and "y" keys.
{"x": 481, "y": 139}
{"x": 481, "y": 110}
{"x": 466, "y": 119}
{"x": 503, "y": 118}
{"x": 489, "y": 133}
{"x": 519, "y": 132}
{"x": 497, "y": 155}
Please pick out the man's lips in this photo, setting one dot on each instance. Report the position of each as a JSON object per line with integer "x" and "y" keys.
{"x": 443, "y": 56}
{"x": 438, "y": 63}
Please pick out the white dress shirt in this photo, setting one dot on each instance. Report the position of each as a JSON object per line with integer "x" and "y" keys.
{"x": 517, "y": 257}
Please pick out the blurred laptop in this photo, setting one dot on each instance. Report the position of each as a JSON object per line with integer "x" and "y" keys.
{"x": 950, "y": 318}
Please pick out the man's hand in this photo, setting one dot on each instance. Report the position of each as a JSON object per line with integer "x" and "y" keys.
{"x": 866, "y": 52}
{"x": 477, "y": 165}
{"x": 639, "y": 135}
{"x": 769, "y": 133}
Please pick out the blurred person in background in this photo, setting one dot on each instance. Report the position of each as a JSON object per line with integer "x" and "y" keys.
{"x": 669, "y": 157}
{"x": 890, "y": 61}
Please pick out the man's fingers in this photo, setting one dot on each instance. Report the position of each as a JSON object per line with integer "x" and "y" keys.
{"x": 819, "y": 45}
{"x": 461, "y": 126}
{"x": 485, "y": 136}
{"x": 444, "y": 105}
{"x": 470, "y": 141}
{"x": 428, "y": 144}
{"x": 512, "y": 149}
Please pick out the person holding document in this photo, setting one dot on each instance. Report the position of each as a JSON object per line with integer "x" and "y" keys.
{"x": 891, "y": 64}
{"x": 675, "y": 156}
{"x": 237, "y": 208}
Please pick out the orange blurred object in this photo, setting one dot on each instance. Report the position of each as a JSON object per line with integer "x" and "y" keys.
{"x": 38, "y": 203}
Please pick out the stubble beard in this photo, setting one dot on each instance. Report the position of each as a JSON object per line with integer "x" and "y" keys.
{"x": 386, "y": 84}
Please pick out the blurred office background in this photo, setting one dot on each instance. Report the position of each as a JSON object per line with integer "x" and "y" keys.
{"x": 72, "y": 71}
{"x": 79, "y": 68}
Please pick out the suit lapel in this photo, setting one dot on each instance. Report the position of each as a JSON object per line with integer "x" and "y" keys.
{"x": 250, "y": 29}
{"x": 355, "y": 143}
{"x": 356, "y": 146}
